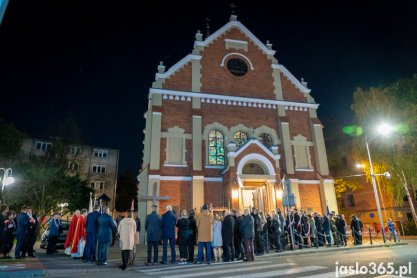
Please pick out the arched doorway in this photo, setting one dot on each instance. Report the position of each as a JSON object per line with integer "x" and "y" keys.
{"x": 256, "y": 176}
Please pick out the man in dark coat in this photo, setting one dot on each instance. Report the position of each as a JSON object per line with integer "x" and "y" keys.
{"x": 282, "y": 222}
{"x": 168, "y": 234}
{"x": 298, "y": 229}
{"x": 318, "y": 223}
{"x": 22, "y": 224}
{"x": 239, "y": 253}
{"x": 326, "y": 229}
{"x": 153, "y": 234}
{"x": 356, "y": 227}
{"x": 91, "y": 228}
{"x": 31, "y": 234}
{"x": 54, "y": 232}
{"x": 228, "y": 228}
{"x": 247, "y": 230}
{"x": 106, "y": 227}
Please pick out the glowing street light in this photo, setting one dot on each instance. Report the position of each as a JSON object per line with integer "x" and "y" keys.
{"x": 6, "y": 180}
{"x": 383, "y": 129}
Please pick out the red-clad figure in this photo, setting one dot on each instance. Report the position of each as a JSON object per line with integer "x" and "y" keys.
{"x": 71, "y": 232}
{"x": 78, "y": 242}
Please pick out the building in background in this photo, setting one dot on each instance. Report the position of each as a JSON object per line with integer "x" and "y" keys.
{"x": 97, "y": 165}
{"x": 226, "y": 123}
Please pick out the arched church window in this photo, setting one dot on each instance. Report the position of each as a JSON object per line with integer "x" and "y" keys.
{"x": 253, "y": 169}
{"x": 265, "y": 139}
{"x": 240, "y": 138}
{"x": 215, "y": 148}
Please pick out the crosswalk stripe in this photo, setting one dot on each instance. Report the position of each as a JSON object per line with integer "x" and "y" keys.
{"x": 187, "y": 266}
{"x": 249, "y": 267}
{"x": 328, "y": 275}
{"x": 281, "y": 272}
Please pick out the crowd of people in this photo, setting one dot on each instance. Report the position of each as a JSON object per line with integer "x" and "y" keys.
{"x": 229, "y": 235}
{"x": 23, "y": 227}
{"x": 224, "y": 236}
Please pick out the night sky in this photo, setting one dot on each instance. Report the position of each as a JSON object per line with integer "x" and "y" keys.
{"x": 95, "y": 60}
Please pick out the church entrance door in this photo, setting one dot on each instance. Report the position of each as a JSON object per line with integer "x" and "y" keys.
{"x": 254, "y": 196}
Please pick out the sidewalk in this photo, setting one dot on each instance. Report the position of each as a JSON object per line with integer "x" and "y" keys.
{"x": 60, "y": 264}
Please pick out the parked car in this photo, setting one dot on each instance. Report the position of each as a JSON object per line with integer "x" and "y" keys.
{"x": 62, "y": 237}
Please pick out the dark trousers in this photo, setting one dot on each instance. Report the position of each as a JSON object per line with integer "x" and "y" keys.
{"x": 328, "y": 238}
{"x": 183, "y": 249}
{"x": 103, "y": 248}
{"x": 165, "y": 249}
{"x": 239, "y": 253}
{"x": 277, "y": 240}
{"x": 249, "y": 250}
{"x": 342, "y": 237}
{"x": 29, "y": 242}
{"x": 315, "y": 241}
{"x": 258, "y": 245}
{"x": 125, "y": 257}
{"x": 153, "y": 244}
{"x": 51, "y": 248}
{"x": 229, "y": 251}
{"x": 7, "y": 243}
{"x": 298, "y": 237}
{"x": 190, "y": 245}
{"x": 90, "y": 247}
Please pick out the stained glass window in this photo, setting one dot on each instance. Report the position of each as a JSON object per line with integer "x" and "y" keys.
{"x": 215, "y": 148}
{"x": 265, "y": 139}
{"x": 240, "y": 138}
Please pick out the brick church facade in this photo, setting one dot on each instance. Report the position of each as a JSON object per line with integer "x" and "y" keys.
{"x": 226, "y": 123}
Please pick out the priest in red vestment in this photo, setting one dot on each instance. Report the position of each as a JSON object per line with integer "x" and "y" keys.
{"x": 78, "y": 242}
{"x": 71, "y": 231}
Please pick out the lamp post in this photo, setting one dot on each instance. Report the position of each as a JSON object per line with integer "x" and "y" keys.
{"x": 375, "y": 190}
{"x": 6, "y": 180}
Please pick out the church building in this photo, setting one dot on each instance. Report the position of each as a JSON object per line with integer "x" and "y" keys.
{"x": 226, "y": 125}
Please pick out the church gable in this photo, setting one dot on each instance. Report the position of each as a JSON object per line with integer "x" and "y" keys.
{"x": 178, "y": 79}
{"x": 249, "y": 76}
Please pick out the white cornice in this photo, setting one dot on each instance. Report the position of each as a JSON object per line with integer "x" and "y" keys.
{"x": 291, "y": 77}
{"x": 245, "y": 30}
{"x": 232, "y": 100}
{"x": 256, "y": 142}
{"x": 179, "y": 64}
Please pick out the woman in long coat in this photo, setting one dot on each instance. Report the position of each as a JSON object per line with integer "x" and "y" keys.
{"x": 217, "y": 239}
{"x": 127, "y": 231}
{"x": 183, "y": 224}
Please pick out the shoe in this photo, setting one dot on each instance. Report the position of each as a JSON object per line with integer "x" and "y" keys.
{"x": 208, "y": 262}
{"x": 162, "y": 262}
{"x": 198, "y": 262}
{"x": 155, "y": 263}
{"x": 32, "y": 255}
{"x": 105, "y": 263}
{"x": 173, "y": 262}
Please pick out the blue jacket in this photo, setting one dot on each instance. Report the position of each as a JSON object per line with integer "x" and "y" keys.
{"x": 92, "y": 224}
{"x": 105, "y": 228}
{"x": 53, "y": 227}
{"x": 168, "y": 224}
{"x": 22, "y": 223}
{"x": 153, "y": 227}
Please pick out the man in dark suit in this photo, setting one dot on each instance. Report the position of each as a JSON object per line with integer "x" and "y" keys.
{"x": 153, "y": 234}
{"x": 106, "y": 227}
{"x": 91, "y": 228}
{"x": 54, "y": 232}
{"x": 228, "y": 229}
{"x": 168, "y": 232}
{"x": 22, "y": 224}
{"x": 31, "y": 233}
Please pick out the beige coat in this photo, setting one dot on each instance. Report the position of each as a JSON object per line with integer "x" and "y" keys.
{"x": 127, "y": 230}
{"x": 205, "y": 226}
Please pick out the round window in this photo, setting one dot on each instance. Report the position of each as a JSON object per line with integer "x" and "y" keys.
{"x": 237, "y": 67}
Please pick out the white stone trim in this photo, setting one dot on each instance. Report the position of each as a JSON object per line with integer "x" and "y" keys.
{"x": 291, "y": 77}
{"x": 304, "y": 170}
{"x": 308, "y": 181}
{"x": 213, "y": 179}
{"x": 232, "y": 100}
{"x": 328, "y": 180}
{"x": 157, "y": 113}
{"x": 175, "y": 165}
{"x": 178, "y": 65}
{"x": 176, "y": 178}
{"x": 256, "y": 157}
{"x": 214, "y": 166}
{"x": 245, "y": 30}
{"x": 154, "y": 177}
{"x": 255, "y": 141}
{"x": 198, "y": 177}
{"x": 238, "y": 54}
{"x": 235, "y": 41}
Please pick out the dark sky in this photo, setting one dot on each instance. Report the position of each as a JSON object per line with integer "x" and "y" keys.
{"x": 96, "y": 60}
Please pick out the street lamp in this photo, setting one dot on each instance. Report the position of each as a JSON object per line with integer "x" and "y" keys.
{"x": 383, "y": 129}
{"x": 7, "y": 179}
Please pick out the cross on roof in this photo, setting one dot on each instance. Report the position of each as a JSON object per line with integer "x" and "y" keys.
{"x": 154, "y": 197}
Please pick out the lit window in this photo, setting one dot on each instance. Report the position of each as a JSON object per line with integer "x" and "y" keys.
{"x": 240, "y": 139}
{"x": 215, "y": 148}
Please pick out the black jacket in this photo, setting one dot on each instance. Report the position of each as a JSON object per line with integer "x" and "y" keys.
{"x": 228, "y": 228}
{"x": 247, "y": 227}
{"x": 153, "y": 227}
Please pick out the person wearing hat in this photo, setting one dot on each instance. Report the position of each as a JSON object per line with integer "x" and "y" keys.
{"x": 153, "y": 234}
{"x": 53, "y": 234}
